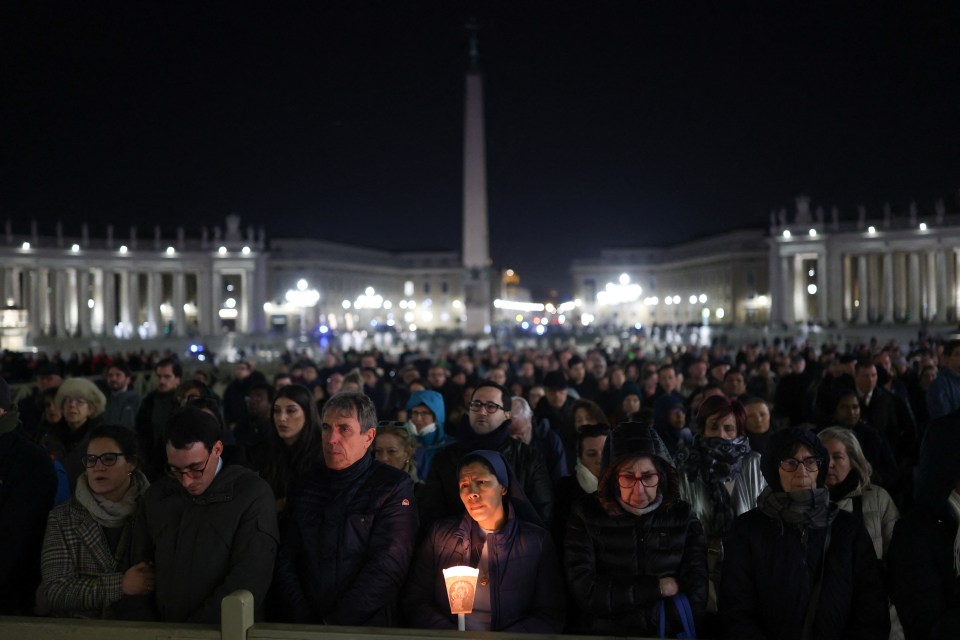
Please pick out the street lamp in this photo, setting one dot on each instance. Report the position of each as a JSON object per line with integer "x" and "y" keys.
{"x": 303, "y": 297}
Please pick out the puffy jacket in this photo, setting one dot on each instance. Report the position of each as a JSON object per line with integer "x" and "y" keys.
{"x": 879, "y": 515}
{"x": 348, "y": 538}
{"x": 614, "y": 564}
{"x": 526, "y": 591}
{"x": 207, "y": 546}
{"x": 768, "y": 578}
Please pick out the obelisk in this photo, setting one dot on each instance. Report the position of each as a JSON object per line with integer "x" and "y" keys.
{"x": 476, "y": 236}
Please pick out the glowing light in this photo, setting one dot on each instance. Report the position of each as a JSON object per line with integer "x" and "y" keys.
{"x": 811, "y": 273}
{"x": 570, "y": 305}
{"x": 387, "y": 305}
{"x": 923, "y": 226}
{"x": 586, "y": 319}
{"x": 91, "y": 304}
{"x": 720, "y": 313}
{"x": 369, "y": 291}
{"x": 652, "y": 301}
{"x": 525, "y": 325}
{"x": 624, "y": 278}
{"x": 561, "y": 318}
{"x": 786, "y": 233}
{"x": 456, "y": 304}
{"x": 509, "y": 272}
{"x": 624, "y": 292}
{"x": 75, "y": 248}
{"x": 408, "y": 316}
{"x": 413, "y": 327}
{"x": 345, "y": 304}
{"x": 705, "y": 313}
{"x": 302, "y": 284}
{"x": 201, "y": 357}
{"x": 668, "y": 301}
{"x": 871, "y": 229}
{"x": 676, "y": 299}
{"x": 222, "y": 251}
{"x": 693, "y": 299}
{"x": 324, "y": 329}
{"x": 230, "y": 303}
{"x": 513, "y": 305}
{"x": 813, "y": 233}
{"x": 228, "y": 314}
{"x": 519, "y": 317}
{"x": 811, "y": 289}
{"x": 123, "y": 248}
{"x": 25, "y": 246}
{"x": 245, "y": 251}
{"x": 761, "y": 300}
{"x": 302, "y": 298}
{"x": 702, "y": 298}
{"x": 403, "y": 304}
{"x": 171, "y": 251}
{"x": 541, "y": 330}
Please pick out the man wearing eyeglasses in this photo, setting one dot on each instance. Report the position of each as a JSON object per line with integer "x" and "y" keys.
{"x": 487, "y": 426}
{"x": 208, "y": 529}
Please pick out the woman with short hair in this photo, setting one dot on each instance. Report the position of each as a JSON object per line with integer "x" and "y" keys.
{"x": 81, "y": 405}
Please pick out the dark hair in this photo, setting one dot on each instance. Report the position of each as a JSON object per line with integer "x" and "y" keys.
{"x": 191, "y": 424}
{"x": 122, "y": 368}
{"x": 590, "y": 431}
{"x": 204, "y": 390}
{"x": 263, "y": 386}
{"x": 949, "y": 348}
{"x": 353, "y": 403}
{"x": 664, "y": 367}
{"x": 721, "y": 406}
{"x": 505, "y": 394}
{"x": 594, "y": 412}
{"x": 285, "y": 463}
{"x": 125, "y": 438}
{"x": 170, "y": 362}
{"x": 732, "y": 371}
{"x": 280, "y": 376}
{"x": 863, "y": 364}
{"x": 209, "y": 404}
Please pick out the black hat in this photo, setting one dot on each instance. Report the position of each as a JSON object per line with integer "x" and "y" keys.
{"x": 847, "y": 358}
{"x": 555, "y": 380}
{"x": 574, "y": 359}
{"x": 779, "y": 447}
{"x": 47, "y": 369}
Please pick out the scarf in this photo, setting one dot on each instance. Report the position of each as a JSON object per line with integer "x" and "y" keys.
{"x": 808, "y": 509}
{"x": 639, "y": 512}
{"x": 427, "y": 430}
{"x": 847, "y": 486}
{"x": 472, "y": 441}
{"x": 716, "y": 461}
{"x": 105, "y": 512}
{"x": 585, "y": 478}
{"x": 953, "y": 501}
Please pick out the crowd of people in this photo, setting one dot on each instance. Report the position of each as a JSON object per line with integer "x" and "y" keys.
{"x": 758, "y": 492}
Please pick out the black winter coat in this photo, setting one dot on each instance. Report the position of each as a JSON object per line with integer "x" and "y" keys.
{"x": 526, "y": 591}
{"x": 923, "y": 583}
{"x": 768, "y": 577}
{"x": 347, "y": 538}
{"x": 614, "y": 564}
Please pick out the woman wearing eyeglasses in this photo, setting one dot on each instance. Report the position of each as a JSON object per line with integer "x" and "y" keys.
{"x": 81, "y": 404}
{"x": 635, "y": 542}
{"x": 797, "y": 566}
{"x": 85, "y": 558}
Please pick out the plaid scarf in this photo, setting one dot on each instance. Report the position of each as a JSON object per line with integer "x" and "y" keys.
{"x": 716, "y": 461}
{"x": 808, "y": 509}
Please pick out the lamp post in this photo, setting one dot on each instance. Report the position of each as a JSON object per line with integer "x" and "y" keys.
{"x": 303, "y": 297}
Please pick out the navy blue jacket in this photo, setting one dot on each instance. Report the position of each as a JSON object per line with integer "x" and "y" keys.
{"x": 526, "y": 587}
{"x": 346, "y": 542}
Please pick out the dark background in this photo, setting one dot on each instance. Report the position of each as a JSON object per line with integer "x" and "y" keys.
{"x": 608, "y": 123}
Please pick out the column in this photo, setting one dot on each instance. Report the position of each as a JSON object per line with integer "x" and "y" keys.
{"x": 34, "y": 306}
{"x": 822, "y": 288}
{"x": 847, "y": 288}
{"x": 776, "y": 284}
{"x": 786, "y": 279}
{"x": 11, "y": 288}
{"x": 108, "y": 302}
{"x": 204, "y": 304}
{"x": 836, "y": 290}
{"x": 59, "y": 323}
{"x": 913, "y": 288}
{"x": 179, "y": 293}
{"x": 43, "y": 301}
{"x": 862, "y": 293}
{"x": 134, "y": 300}
{"x": 933, "y": 306}
{"x": 154, "y": 318}
{"x": 259, "y": 296}
{"x": 84, "y": 312}
{"x": 944, "y": 310}
{"x": 245, "y": 301}
{"x": 887, "y": 288}
{"x": 96, "y": 314}
{"x": 901, "y": 302}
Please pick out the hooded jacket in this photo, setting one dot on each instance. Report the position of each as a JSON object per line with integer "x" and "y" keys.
{"x": 429, "y": 443}
{"x": 614, "y": 559}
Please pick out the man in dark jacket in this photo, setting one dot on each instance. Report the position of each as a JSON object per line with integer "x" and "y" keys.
{"x": 540, "y": 436}
{"x": 156, "y": 409}
{"x": 349, "y": 529}
{"x": 27, "y": 487}
{"x": 208, "y": 529}
{"x": 487, "y": 427}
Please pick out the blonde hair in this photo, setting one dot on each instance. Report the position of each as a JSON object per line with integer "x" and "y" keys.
{"x": 854, "y": 451}
{"x": 82, "y": 388}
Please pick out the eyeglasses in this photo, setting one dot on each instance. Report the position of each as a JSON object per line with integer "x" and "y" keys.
{"x": 108, "y": 459}
{"x": 490, "y": 407}
{"x": 629, "y": 481}
{"x": 421, "y": 414}
{"x": 77, "y": 401}
{"x": 193, "y": 474}
{"x": 792, "y": 464}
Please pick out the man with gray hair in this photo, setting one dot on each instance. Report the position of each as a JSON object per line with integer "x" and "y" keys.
{"x": 539, "y": 435}
{"x": 349, "y": 530}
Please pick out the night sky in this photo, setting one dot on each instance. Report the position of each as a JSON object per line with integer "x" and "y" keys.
{"x": 609, "y": 124}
